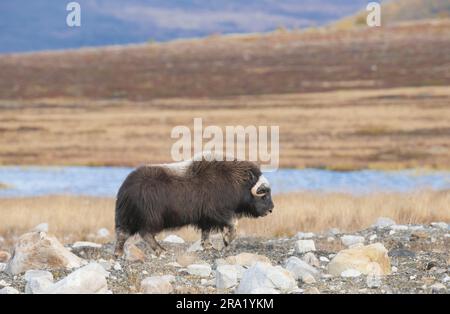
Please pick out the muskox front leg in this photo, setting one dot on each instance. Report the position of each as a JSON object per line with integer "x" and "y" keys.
{"x": 121, "y": 238}
{"x": 230, "y": 233}
{"x": 150, "y": 239}
{"x": 206, "y": 242}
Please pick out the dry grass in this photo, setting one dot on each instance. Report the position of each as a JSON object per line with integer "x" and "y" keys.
{"x": 74, "y": 218}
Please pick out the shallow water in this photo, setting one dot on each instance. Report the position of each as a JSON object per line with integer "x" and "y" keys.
{"x": 105, "y": 181}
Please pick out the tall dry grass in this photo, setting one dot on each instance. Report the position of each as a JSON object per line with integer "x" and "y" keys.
{"x": 74, "y": 218}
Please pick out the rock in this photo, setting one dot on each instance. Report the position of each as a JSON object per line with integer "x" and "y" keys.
{"x": 4, "y": 256}
{"x": 303, "y": 246}
{"x": 38, "y": 281}
{"x": 196, "y": 246}
{"x": 39, "y": 251}
{"x": 373, "y": 237}
{"x": 103, "y": 233}
{"x": 226, "y": 276}
{"x": 117, "y": 266}
{"x": 265, "y": 278}
{"x": 333, "y": 232}
{"x": 360, "y": 258}
{"x": 399, "y": 228}
{"x": 419, "y": 235}
{"x": 171, "y": 278}
{"x": 174, "y": 264}
{"x": 200, "y": 270}
{"x": 401, "y": 253}
{"x": 349, "y": 240}
{"x": 304, "y": 235}
{"x": 300, "y": 269}
{"x": 85, "y": 244}
{"x": 350, "y": 273}
{"x": 440, "y": 225}
{"x": 173, "y": 239}
{"x": 312, "y": 290}
{"x": 324, "y": 259}
{"x": 187, "y": 259}
{"x": 43, "y": 227}
{"x": 438, "y": 287}
{"x": 373, "y": 281}
{"x": 156, "y": 285}
{"x": 2, "y": 267}
{"x": 311, "y": 259}
{"x": 383, "y": 222}
{"x": 86, "y": 280}
{"x": 9, "y": 290}
{"x": 132, "y": 253}
{"x": 308, "y": 279}
{"x": 247, "y": 259}
{"x": 4, "y": 284}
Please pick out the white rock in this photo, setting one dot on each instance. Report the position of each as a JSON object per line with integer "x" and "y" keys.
{"x": 394, "y": 269}
{"x": 391, "y": 232}
{"x": 398, "y": 227}
{"x": 4, "y": 284}
{"x": 85, "y": 280}
{"x": 350, "y": 273}
{"x": 373, "y": 237}
{"x": 330, "y": 239}
{"x": 440, "y": 225}
{"x": 201, "y": 270}
{"x": 303, "y": 246}
{"x": 196, "y": 246}
{"x": 117, "y": 266}
{"x": 300, "y": 269}
{"x": 308, "y": 279}
{"x": 324, "y": 259}
{"x": 265, "y": 278}
{"x": 171, "y": 278}
{"x": 311, "y": 259}
{"x": 349, "y": 240}
{"x": 85, "y": 244}
{"x": 173, "y": 239}
{"x": 226, "y": 276}
{"x": 9, "y": 290}
{"x": 446, "y": 279}
{"x": 383, "y": 222}
{"x": 334, "y": 232}
{"x": 174, "y": 264}
{"x": 38, "y": 281}
{"x": 438, "y": 287}
{"x": 39, "y": 251}
{"x": 373, "y": 280}
{"x": 156, "y": 285}
{"x": 2, "y": 267}
{"x": 43, "y": 227}
{"x": 304, "y": 235}
{"x": 103, "y": 233}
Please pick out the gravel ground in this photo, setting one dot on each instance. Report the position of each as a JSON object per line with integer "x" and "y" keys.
{"x": 420, "y": 257}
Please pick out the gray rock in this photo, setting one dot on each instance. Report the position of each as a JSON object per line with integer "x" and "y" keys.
{"x": 304, "y": 235}
{"x": 350, "y": 273}
{"x": 440, "y": 225}
{"x": 265, "y": 278}
{"x": 156, "y": 285}
{"x": 226, "y": 276}
{"x": 304, "y": 246}
{"x": 2, "y": 267}
{"x": 9, "y": 290}
{"x": 349, "y": 240}
{"x": 383, "y": 222}
{"x": 311, "y": 259}
{"x": 201, "y": 270}
{"x": 89, "y": 279}
{"x": 38, "y": 281}
{"x": 300, "y": 269}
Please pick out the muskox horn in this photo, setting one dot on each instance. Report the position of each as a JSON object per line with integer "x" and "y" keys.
{"x": 262, "y": 181}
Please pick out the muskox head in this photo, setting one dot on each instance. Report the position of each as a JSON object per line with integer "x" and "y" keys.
{"x": 260, "y": 198}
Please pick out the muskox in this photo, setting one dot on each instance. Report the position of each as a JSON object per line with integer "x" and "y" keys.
{"x": 209, "y": 195}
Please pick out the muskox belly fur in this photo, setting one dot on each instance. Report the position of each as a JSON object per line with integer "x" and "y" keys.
{"x": 209, "y": 195}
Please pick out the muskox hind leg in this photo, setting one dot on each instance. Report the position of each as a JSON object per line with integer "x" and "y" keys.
{"x": 150, "y": 239}
{"x": 230, "y": 233}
